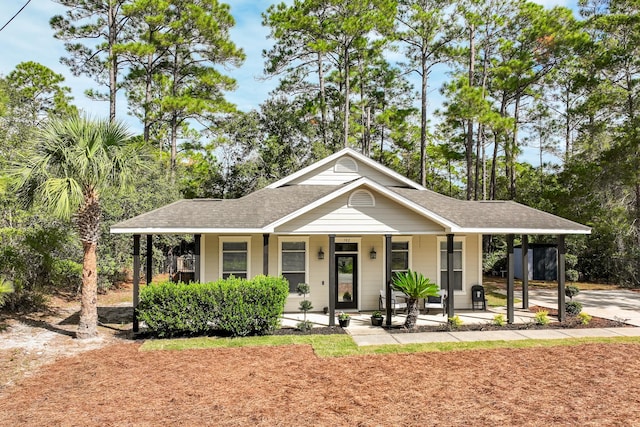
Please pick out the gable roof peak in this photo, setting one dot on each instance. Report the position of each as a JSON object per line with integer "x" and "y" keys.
{"x": 348, "y": 152}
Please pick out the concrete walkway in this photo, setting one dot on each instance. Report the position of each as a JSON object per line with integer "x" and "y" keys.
{"x": 619, "y": 305}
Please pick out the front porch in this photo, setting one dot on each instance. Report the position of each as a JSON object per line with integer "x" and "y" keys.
{"x": 361, "y": 321}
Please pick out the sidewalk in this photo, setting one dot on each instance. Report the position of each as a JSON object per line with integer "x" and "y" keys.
{"x": 382, "y": 337}
{"x": 364, "y": 334}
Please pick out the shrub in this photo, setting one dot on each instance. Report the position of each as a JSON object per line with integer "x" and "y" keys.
{"x": 573, "y": 308}
{"x": 584, "y": 318}
{"x": 455, "y": 322}
{"x": 305, "y": 305}
{"x": 235, "y": 306}
{"x": 542, "y": 317}
{"x": 499, "y": 320}
{"x": 571, "y": 291}
{"x": 572, "y": 275}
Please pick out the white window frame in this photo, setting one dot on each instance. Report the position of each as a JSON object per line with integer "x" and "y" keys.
{"x": 234, "y": 239}
{"x": 409, "y": 240}
{"x": 456, "y": 239}
{"x": 304, "y": 239}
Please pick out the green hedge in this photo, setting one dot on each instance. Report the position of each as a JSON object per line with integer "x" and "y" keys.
{"x": 235, "y": 306}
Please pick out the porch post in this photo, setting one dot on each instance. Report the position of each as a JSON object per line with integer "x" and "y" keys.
{"x": 510, "y": 277}
{"x": 196, "y": 268}
{"x": 387, "y": 277}
{"x": 450, "y": 278}
{"x": 561, "y": 277}
{"x": 525, "y": 271}
{"x": 149, "y": 258}
{"x": 265, "y": 254}
{"x": 136, "y": 280}
{"x": 332, "y": 280}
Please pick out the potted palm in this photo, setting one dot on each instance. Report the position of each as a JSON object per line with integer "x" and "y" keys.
{"x": 343, "y": 319}
{"x": 377, "y": 318}
{"x": 415, "y": 286}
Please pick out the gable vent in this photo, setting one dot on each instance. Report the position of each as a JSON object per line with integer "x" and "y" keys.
{"x": 361, "y": 198}
{"x": 346, "y": 165}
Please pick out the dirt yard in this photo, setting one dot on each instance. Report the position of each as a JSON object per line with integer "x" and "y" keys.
{"x": 289, "y": 386}
{"x": 48, "y": 378}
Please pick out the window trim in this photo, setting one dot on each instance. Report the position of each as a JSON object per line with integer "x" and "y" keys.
{"x": 227, "y": 239}
{"x": 304, "y": 239}
{"x": 456, "y": 239}
{"x": 408, "y": 239}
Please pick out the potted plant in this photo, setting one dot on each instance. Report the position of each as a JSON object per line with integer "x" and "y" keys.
{"x": 343, "y": 319}
{"x": 377, "y": 318}
{"x": 346, "y": 296}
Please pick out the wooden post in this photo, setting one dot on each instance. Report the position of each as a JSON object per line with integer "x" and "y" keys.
{"x": 265, "y": 254}
{"x": 332, "y": 280}
{"x": 561, "y": 277}
{"x": 387, "y": 276}
{"x": 450, "y": 277}
{"x": 510, "y": 279}
{"x": 525, "y": 272}
{"x": 196, "y": 268}
{"x": 149, "y": 258}
{"x": 136, "y": 280}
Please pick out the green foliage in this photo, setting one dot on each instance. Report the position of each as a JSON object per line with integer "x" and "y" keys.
{"x": 343, "y": 316}
{"x": 6, "y": 287}
{"x": 305, "y": 305}
{"x": 235, "y": 306}
{"x": 542, "y": 318}
{"x": 571, "y": 291}
{"x": 584, "y": 318}
{"x": 414, "y": 285}
{"x": 454, "y": 322}
{"x": 573, "y": 308}
{"x": 499, "y": 320}
{"x": 377, "y": 314}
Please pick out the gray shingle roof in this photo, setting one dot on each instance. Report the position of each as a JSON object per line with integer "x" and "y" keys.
{"x": 263, "y": 207}
{"x": 252, "y": 211}
{"x": 489, "y": 214}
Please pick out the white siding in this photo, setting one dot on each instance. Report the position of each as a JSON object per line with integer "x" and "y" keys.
{"x": 328, "y": 176}
{"x": 336, "y": 217}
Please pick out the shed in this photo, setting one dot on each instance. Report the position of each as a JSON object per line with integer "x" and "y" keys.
{"x": 543, "y": 261}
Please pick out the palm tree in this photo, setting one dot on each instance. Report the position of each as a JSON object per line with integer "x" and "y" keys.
{"x": 415, "y": 286}
{"x": 74, "y": 160}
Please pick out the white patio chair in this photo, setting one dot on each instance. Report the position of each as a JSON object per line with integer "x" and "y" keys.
{"x": 398, "y": 301}
{"x": 436, "y": 302}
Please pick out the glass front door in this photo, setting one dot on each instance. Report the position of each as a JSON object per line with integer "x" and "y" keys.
{"x": 346, "y": 281}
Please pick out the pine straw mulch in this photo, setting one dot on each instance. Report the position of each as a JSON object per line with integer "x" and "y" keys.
{"x": 590, "y": 384}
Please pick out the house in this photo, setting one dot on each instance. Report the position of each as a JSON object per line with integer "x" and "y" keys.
{"x": 344, "y": 225}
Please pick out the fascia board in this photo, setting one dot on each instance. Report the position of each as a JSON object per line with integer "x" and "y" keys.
{"x": 495, "y": 230}
{"x": 186, "y": 230}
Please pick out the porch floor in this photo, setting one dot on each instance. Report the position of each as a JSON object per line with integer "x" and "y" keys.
{"x": 361, "y": 321}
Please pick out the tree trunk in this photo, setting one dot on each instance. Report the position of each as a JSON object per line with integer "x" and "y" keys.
{"x": 346, "y": 97}
{"x": 87, "y": 326}
{"x": 469, "y": 150}
{"x": 423, "y": 120}
{"x": 412, "y": 313}
{"x": 323, "y": 101}
{"x": 113, "y": 59}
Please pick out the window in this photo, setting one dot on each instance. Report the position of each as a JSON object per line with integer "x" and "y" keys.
{"x": 235, "y": 259}
{"x": 399, "y": 257}
{"x": 294, "y": 262}
{"x": 457, "y": 265}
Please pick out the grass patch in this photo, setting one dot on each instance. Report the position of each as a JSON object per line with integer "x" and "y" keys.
{"x": 496, "y": 298}
{"x": 343, "y": 345}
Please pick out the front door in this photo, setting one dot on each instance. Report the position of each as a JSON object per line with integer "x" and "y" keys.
{"x": 346, "y": 281}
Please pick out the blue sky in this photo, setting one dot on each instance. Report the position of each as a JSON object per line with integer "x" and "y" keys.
{"x": 29, "y": 38}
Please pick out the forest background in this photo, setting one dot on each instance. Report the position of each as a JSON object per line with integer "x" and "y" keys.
{"x": 360, "y": 73}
